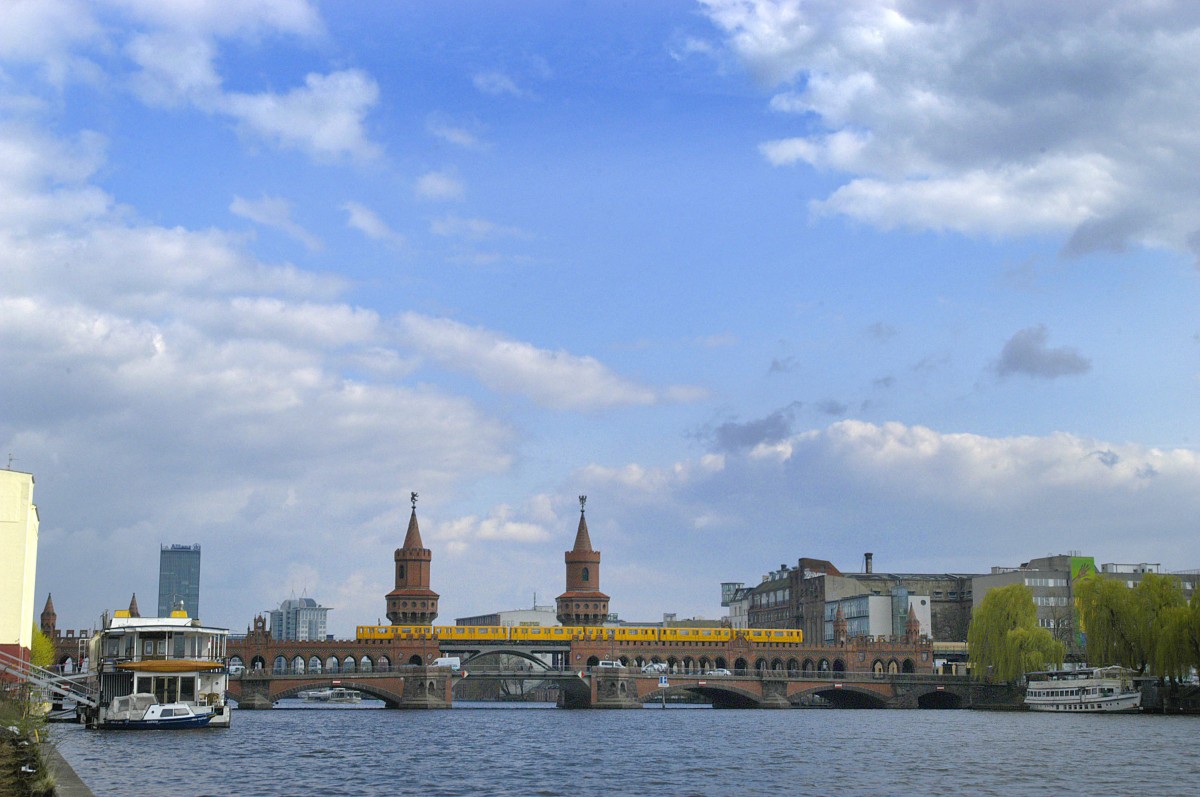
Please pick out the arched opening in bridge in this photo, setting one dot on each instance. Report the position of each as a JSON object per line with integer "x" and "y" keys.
{"x": 593, "y": 661}
{"x": 850, "y": 698}
{"x": 823, "y": 665}
{"x": 808, "y": 666}
{"x": 740, "y": 666}
{"x": 415, "y": 660}
{"x": 385, "y": 664}
{"x": 893, "y": 667}
{"x": 280, "y": 665}
{"x": 366, "y": 665}
{"x": 298, "y": 665}
{"x": 793, "y": 666}
{"x": 760, "y": 666}
{"x": 939, "y": 700}
{"x": 236, "y": 664}
{"x": 314, "y": 665}
{"x": 258, "y": 663}
{"x": 839, "y": 665}
{"x": 720, "y": 663}
{"x": 777, "y": 665}
{"x": 348, "y": 664}
{"x": 877, "y": 668}
{"x": 908, "y": 666}
{"x": 332, "y": 665}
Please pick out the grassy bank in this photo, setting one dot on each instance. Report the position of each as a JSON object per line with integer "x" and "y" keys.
{"x": 24, "y": 764}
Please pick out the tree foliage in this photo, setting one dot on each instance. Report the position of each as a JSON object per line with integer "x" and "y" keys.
{"x": 1136, "y": 627}
{"x": 1004, "y": 638}
{"x": 42, "y": 652}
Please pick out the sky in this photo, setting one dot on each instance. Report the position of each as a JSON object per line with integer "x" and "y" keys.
{"x": 763, "y": 280}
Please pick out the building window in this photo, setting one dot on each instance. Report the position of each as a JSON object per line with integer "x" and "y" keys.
{"x": 586, "y": 574}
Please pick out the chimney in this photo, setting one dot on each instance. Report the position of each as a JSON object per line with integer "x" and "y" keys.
{"x": 867, "y": 562}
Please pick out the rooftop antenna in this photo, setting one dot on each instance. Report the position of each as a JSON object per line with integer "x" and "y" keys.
{"x": 11, "y": 460}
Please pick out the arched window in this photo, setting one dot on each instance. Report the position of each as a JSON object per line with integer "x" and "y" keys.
{"x": 586, "y": 575}
{"x": 400, "y": 572}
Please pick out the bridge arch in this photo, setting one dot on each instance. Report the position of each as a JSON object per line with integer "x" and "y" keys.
{"x": 297, "y": 665}
{"x": 314, "y": 664}
{"x": 939, "y": 700}
{"x": 847, "y": 696}
{"x": 280, "y": 665}
{"x": 415, "y": 660}
{"x": 740, "y": 666}
{"x": 908, "y": 666}
{"x": 333, "y": 665}
{"x": 839, "y": 665}
{"x": 348, "y": 664}
{"x": 514, "y": 652}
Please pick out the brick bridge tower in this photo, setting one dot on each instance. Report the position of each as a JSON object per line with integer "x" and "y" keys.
{"x": 49, "y": 618}
{"x": 583, "y": 603}
{"x": 412, "y": 602}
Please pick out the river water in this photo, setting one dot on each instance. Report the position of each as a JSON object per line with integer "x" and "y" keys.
{"x": 500, "y": 749}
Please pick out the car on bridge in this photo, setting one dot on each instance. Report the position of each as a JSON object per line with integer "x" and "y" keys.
{"x": 719, "y": 671}
{"x": 655, "y": 667}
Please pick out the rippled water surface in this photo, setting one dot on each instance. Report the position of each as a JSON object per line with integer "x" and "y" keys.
{"x": 649, "y": 752}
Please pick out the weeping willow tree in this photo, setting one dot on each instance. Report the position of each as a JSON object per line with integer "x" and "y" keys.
{"x": 1135, "y": 627}
{"x": 1179, "y": 647}
{"x": 1004, "y": 639}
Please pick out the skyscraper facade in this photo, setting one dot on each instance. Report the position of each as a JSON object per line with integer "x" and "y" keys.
{"x": 179, "y": 579}
{"x": 299, "y": 620}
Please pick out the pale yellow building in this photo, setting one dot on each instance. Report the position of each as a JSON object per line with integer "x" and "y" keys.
{"x": 18, "y": 561}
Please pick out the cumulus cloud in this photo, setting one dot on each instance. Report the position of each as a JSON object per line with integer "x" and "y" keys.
{"x": 176, "y": 50}
{"x": 555, "y": 379}
{"x": 999, "y": 118}
{"x": 474, "y": 228}
{"x": 498, "y": 84}
{"x": 455, "y": 134}
{"x": 440, "y": 187}
{"x": 734, "y": 436}
{"x": 274, "y": 212}
{"x": 922, "y": 499}
{"x": 367, "y": 221}
{"x": 1026, "y": 353}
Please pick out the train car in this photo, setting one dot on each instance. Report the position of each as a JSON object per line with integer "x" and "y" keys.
{"x": 375, "y": 632}
{"x": 773, "y": 636}
{"x": 471, "y": 633}
{"x": 637, "y": 634}
{"x": 706, "y": 635}
{"x": 542, "y": 633}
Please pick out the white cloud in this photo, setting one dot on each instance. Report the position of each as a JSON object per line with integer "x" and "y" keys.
{"x": 440, "y": 187}
{"x": 455, "y": 134}
{"x": 498, "y": 84}
{"x": 369, "y": 224}
{"x": 324, "y": 118}
{"x": 475, "y": 229}
{"x": 554, "y": 379}
{"x": 1004, "y": 118}
{"x": 274, "y": 212}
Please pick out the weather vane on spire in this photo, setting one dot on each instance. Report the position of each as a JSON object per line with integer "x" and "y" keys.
{"x": 582, "y": 501}
{"x": 414, "y": 501}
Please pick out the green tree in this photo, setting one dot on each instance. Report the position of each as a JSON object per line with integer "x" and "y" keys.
{"x": 1179, "y": 647}
{"x": 42, "y": 652}
{"x": 1132, "y": 627}
{"x": 1004, "y": 639}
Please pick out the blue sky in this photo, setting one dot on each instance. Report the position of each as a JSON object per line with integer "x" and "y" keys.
{"x": 763, "y": 279}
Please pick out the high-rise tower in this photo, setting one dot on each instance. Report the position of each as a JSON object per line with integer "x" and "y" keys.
{"x": 412, "y": 601}
{"x": 583, "y": 603}
{"x": 179, "y": 580}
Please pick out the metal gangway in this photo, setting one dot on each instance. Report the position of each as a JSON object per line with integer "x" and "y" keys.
{"x": 71, "y": 686}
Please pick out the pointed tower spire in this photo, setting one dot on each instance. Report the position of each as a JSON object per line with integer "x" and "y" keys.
{"x": 912, "y": 628}
{"x": 133, "y": 609}
{"x": 49, "y": 619}
{"x": 583, "y": 541}
{"x": 840, "y": 627}
{"x": 583, "y": 603}
{"x": 412, "y": 601}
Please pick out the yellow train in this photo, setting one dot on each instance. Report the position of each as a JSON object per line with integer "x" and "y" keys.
{"x": 534, "y": 633}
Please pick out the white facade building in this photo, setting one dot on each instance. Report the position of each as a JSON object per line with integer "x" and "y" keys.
{"x": 299, "y": 620}
{"x": 18, "y": 562}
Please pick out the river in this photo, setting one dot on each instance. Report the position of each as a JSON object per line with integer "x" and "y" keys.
{"x": 502, "y": 749}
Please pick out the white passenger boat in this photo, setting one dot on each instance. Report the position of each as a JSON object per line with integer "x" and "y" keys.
{"x": 175, "y": 660}
{"x": 1090, "y": 690}
{"x": 335, "y": 695}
